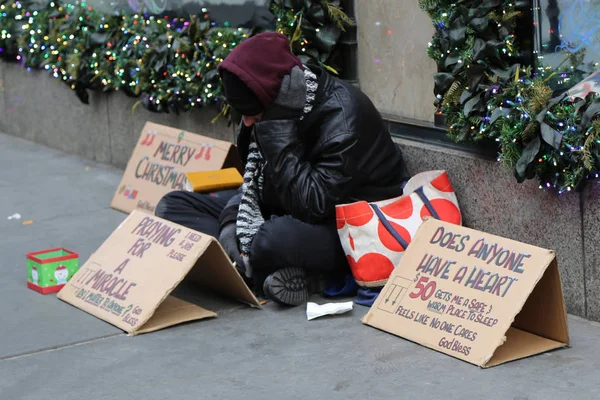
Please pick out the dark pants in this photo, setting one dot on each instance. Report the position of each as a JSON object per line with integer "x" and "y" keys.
{"x": 281, "y": 242}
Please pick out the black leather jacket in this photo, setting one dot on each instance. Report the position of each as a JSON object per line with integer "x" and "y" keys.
{"x": 340, "y": 153}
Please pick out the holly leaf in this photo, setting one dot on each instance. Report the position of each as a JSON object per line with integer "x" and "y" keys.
{"x": 591, "y": 111}
{"x": 82, "y": 94}
{"x": 316, "y": 14}
{"x": 491, "y": 3}
{"x": 159, "y": 64}
{"x": 480, "y": 24}
{"x": 579, "y": 103}
{"x": 551, "y": 136}
{"x": 505, "y": 73}
{"x": 162, "y": 49}
{"x": 98, "y": 39}
{"x": 466, "y": 95}
{"x": 497, "y": 113}
{"x": 314, "y": 53}
{"x": 304, "y": 58}
{"x": 475, "y": 75}
{"x": 326, "y": 38}
{"x": 491, "y": 50}
{"x": 530, "y": 152}
{"x": 444, "y": 42}
{"x": 458, "y": 29}
{"x": 442, "y": 81}
{"x": 478, "y": 45}
{"x": 472, "y": 104}
{"x": 450, "y": 60}
{"x": 296, "y": 5}
{"x": 210, "y": 75}
{"x": 458, "y": 67}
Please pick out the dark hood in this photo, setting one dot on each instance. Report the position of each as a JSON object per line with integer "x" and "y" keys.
{"x": 261, "y": 62}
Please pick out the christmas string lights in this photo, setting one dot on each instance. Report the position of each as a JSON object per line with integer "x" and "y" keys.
{"x": 170, "y": 64}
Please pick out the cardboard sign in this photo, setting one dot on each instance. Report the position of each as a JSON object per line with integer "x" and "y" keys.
{"x": 160, "y": 160}
{"x": 127, "y": 281}
{"x": 478, "y": 297}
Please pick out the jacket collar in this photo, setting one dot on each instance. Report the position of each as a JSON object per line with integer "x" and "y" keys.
{"x": 243, "y": 141}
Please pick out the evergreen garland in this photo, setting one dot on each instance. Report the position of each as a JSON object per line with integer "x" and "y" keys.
{"x": 169, "y": 64}
{"x": 484, "y": 92}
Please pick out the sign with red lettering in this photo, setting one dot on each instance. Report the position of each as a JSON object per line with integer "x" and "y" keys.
{"x": 127, "y": 281}
{"x": 160, "y": 160}
{"x": 478, "y": 297}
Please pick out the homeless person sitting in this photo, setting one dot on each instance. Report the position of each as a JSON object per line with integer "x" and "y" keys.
{"x": 309, "y": 141}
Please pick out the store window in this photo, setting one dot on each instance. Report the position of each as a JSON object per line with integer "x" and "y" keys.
{"x": 567, "y": 37}
{"x": 235, "y": 13}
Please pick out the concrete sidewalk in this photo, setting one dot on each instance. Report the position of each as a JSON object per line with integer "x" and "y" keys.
{"x": 49, "y": 349}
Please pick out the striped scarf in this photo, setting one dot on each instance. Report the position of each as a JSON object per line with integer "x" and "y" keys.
{"x": 250, "y": 218}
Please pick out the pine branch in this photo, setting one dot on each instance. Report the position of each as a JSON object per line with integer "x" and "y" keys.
{"x": 73, "y": 63}
{"x": 540, "y": 95}
{"x": 475, "y": 120}
{"x": 511, "y": 152}
{"x": 504, "y": 17}
{"x": 530, "y": 130}
{"x": 337, "y": 15}
{"x": 577, "y": 58}
{"x": 452, "y": 96}
{"x": 297, "y": 33}
{"x": 589, "y": 144}
{"x": 429, "y": 5}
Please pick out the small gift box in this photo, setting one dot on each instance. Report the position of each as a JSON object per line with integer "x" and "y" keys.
{"x": 49, "y": 270}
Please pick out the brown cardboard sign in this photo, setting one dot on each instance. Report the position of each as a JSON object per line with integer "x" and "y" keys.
{"x": 127, "y": 281}
{"x": 474, "y": 296}
{"x": 160, "y": 160}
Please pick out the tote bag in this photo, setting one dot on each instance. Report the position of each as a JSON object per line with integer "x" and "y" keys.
{"x": 375, "y": 235}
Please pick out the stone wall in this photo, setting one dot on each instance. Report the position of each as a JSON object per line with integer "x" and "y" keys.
{"x": 39, "y": 108}
{"x": 492, "y": 201}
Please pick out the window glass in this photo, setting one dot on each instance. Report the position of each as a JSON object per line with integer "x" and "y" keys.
{"x": 234, "y": 13}
{"x": 567, "y": 37}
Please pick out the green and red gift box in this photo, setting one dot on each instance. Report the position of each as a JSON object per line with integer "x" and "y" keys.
{"x": 49, "y": 270}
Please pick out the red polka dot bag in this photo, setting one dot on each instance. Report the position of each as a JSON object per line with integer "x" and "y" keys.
{"x": 375, "y": 235}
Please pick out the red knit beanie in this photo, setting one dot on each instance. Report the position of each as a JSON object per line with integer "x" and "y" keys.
{"x": 261, "y": 62}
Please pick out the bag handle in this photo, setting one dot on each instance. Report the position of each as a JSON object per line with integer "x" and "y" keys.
{"x": 389, "y": 226}
{"x": 427, "y": 203}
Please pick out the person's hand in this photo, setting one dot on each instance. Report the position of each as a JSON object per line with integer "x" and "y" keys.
{"x": 228, "y": 240}
{"x": 290, "y": 101}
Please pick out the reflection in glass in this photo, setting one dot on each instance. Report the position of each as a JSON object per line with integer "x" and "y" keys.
{"x": 234, "y": 13}
{"x": 567, "y": 38}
